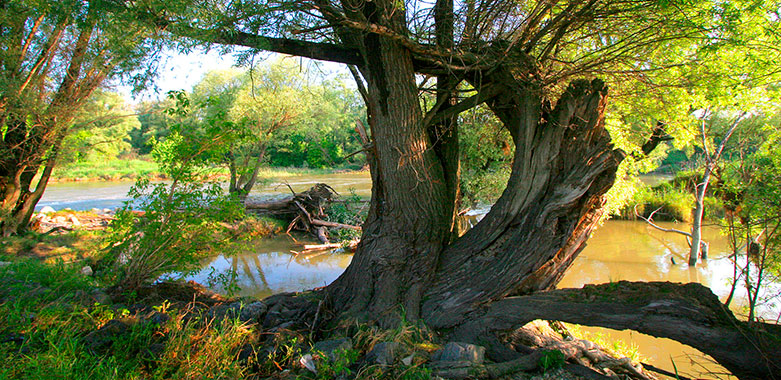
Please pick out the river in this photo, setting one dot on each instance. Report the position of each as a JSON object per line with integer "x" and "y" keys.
{"x": 618, "y": 250}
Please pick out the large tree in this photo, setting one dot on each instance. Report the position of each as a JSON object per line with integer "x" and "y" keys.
{"x": 533, "y": 64}
{"x": 54, "y": 55}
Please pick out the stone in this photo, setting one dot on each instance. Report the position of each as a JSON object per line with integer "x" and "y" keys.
{"x": 86, "y": 270}
{"x": 332, "y": 348}
{"x": 155, "y": 350}
{"x": 383, "y": 353}
{"x": 460, "y": 352}
{"x": 5, "y": 263}
{"x": 408, "y": 360}
{"x": 74, "y": 220}
{"x": 252, "y": 312}
{"x": 60, "y": 220}
{"x": 102, "y": 338}
{"x": 308, "y": 362}
{"x": 219, "y": 312}
{"x": 101, "y": 297}
{"x": 157, "y": 318}
{"x": 47, "y": 210}
{"x": 247, "y": 353}
{"x": 96, "y": 211}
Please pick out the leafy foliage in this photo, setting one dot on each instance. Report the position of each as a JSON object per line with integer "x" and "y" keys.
{"x": 179, "y": 221}
{"x": 751, "y": 193}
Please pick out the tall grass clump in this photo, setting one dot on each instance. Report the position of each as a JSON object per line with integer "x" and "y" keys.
{"x": 666, "y": 201}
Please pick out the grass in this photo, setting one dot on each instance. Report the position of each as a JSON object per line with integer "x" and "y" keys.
{"x": 121, "y": 169}
{"x": 74, "y": 246}
{"x": 614, "y": 347}
{"x": 49, "y": 326}
{"x": 106, "y": 170}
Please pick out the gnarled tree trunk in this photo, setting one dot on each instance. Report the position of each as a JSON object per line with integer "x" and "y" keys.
{"x": 563, "y": 165}
{"x": 410, "y": 214}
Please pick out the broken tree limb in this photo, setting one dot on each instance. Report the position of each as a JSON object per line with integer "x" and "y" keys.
{"x": 649, "y": 220}
{"x": 310, "y": 248}
{"x": 318, "y": 222}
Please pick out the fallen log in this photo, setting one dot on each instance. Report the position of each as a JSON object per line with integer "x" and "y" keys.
{"x": 303, "y": 211}
{"x": 310, "y": 248}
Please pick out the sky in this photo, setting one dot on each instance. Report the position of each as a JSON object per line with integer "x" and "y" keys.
{"x": 182, "y": 71}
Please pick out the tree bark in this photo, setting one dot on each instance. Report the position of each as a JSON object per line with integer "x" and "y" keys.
{"x": 410, "y": 217}
{"x": 563, "y": 165}
{"x": 688, "y": 313}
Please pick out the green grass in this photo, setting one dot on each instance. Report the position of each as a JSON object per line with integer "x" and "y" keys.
{"x": 46, "y": 311}
{"x": 116, "y": 169}
{"x": 614, "y": 347}
{"x": 105, "y": 170}
{"x": 672, "y": 203}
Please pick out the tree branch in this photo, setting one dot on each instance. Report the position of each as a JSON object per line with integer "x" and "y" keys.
{"x": 433, "y": 116}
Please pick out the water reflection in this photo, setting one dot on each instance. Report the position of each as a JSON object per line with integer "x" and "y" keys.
{"x": 269, "y": 268}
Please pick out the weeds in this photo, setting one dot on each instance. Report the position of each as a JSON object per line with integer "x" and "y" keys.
{"x": 551, "y": 359}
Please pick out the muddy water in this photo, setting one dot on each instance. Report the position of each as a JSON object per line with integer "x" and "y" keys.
{"x": 619, "y": 250}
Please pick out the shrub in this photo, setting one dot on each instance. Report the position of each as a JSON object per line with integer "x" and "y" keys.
{"x": 178, "y": 225}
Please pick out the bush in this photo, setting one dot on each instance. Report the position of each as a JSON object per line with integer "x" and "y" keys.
{"x": 180, "y": 222}
{"x": 178, "y": 225}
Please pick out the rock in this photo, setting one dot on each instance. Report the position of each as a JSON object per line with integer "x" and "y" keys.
{"x": 332, "y": 348}
{"x": 222, "y": 311}
{"x": 108, "y": 211}
{"x": 155, "y": 350}
{"x": 101, "y": 297}
{"x": 47, "y": 210}
{"x": 74, "y": 220}
{"x": 252, "y": 312}
{"x": 5, "y": 263}
{"x": 87, "y": 270}
{"x": 290, "y": 325}
{"x": 157, "y": 318}
{"x": 247, "y": 353}
{"x": 308, "y": 362}
{"x": 96, "y": 211}
{"x": 460, "y": 352}
{"x": 102, "y": 338}
{"x": 60, "y": 220}
{"x": 408, "y": 360}
{"x": 383, "y": 353}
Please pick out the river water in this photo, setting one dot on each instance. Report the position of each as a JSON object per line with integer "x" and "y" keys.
{"x": 618, "y": 250}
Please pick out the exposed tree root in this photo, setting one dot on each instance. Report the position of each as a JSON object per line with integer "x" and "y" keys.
{"x": 688, "y": 313}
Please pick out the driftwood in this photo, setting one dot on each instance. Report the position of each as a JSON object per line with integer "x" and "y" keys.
{"x": 312, "y": 248}
{"x": 303, "y": 211}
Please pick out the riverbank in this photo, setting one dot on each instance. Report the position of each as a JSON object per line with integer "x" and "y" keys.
{"x": 131, "y": 169}
{"x": 62, "y": 320}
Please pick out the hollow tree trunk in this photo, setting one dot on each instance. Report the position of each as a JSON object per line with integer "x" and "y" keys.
{"x": 563, "y": 165}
